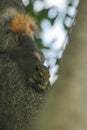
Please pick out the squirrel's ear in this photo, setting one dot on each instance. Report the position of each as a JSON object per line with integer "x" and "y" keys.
{"x": 33, "y": 26}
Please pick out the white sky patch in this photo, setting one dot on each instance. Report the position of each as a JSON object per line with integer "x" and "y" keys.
{"x": 54, "y": 76}
{"x": 56, "y": 32}
{"x": 72, "y": 11}
{"x": 59, "y": 3}
{"x": 52, "y": 12}
{"x": 39, "y": 4}
{"x": 25, "y": 2}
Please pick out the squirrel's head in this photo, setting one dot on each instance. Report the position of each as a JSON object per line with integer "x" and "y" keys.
{"x": 40, "y": 77}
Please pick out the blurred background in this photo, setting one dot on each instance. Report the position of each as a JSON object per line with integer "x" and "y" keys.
{"x": 66, "y": 105}
{"x": 54, "y": 19}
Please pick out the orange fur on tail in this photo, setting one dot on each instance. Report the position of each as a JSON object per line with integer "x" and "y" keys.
{"x": 22, "y": 23}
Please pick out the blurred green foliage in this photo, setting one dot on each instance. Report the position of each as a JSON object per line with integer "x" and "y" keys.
{"x": 39, "y": 17}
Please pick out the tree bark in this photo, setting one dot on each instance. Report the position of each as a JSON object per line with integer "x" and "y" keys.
{"x": 66, "y": 108}
{"x": 19, "y": 103}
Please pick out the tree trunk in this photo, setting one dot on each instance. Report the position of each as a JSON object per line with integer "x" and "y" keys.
{"x": 66, "y": 108}
{"x": 19, "y": 103}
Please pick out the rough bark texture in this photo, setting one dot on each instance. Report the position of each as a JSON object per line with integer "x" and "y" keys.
{"x": 19, "y": 103}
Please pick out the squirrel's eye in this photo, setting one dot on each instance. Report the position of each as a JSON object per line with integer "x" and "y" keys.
{"x": 40, "y": 74}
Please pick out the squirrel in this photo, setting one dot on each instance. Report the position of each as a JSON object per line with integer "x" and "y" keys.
{"x": 27, "y": 53}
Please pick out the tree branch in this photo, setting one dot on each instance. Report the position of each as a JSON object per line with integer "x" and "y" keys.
{"x": 19, "y": 102}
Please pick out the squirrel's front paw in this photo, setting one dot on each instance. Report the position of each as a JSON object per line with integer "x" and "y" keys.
{"x": 38, "y": 86}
